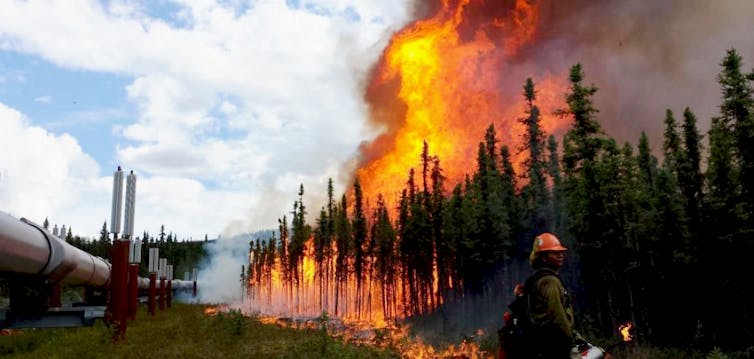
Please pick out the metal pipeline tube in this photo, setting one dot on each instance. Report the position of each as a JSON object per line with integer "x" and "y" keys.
{"x": 176, "y": 284}
{"x": 27, "y": 248}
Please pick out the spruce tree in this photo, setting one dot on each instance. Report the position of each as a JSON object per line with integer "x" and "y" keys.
{"x": 737, "y": 110}
{"x": 690, "y": 177}
{"x": 534, "y": 193}
{"x": 359, "y": 227}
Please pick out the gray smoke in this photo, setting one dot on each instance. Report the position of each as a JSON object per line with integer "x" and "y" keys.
{"x": 645, "y": 56}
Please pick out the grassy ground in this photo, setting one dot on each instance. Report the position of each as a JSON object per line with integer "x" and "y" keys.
{"x": 183, "y": 332}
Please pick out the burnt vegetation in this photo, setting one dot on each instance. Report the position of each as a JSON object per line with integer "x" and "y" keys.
{"x": 660, "y": 242}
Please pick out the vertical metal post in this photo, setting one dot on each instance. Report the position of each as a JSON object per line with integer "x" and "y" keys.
{"x": 195, "y": 273}
{"x": 162, "y": 274}
{"x": 55, "y": 300}
{"x": 118, "y": 306}
{"x": 152, "y": 292}
{"x": 133, "y": 290}
{"x": 169, "y": 299}
{"x": 118, "y": 288}
{"x": 135, "y": 247}
{"x": 154, "y": 256}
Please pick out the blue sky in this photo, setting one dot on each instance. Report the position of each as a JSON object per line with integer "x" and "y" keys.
{"x": 82, "y": 103}
{"x": 221, "y": 108}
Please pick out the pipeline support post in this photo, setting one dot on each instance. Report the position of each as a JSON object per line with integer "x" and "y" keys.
{"x": 154, "y": 266}
{"x": 162, "y": 273}
{"x": 161, "y": 301}
{"x": 118, "y": 307}
{"x": 194, "y": 274}
{"x": 134, "y": 260}
{"x": 152, "y": 292}
{"x": 55, "y": 295}
{"x": 133, "y": 290}
{"x": 169, "y": 298}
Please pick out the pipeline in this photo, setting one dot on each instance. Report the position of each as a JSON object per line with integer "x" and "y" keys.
{"x": 27, "y": 248}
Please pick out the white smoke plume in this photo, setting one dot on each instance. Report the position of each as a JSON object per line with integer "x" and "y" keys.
{"x": 219, "y": 277}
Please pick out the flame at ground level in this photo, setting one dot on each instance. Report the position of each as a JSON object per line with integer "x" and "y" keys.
{"x": 393, "y": 337}
{"x": 625, "y": 332}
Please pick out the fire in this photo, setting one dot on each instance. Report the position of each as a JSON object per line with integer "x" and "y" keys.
{"x": 211, "y": 311}
{"x": 214, "y": 310}
{"x": 314, "y": 294}
{"x": 443, "y": 80}
{"x": 625, "y": 332}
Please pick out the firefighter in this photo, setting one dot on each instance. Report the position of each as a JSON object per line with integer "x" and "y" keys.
{"x": 551, "y": 313}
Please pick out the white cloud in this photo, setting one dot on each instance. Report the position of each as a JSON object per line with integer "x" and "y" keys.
{"x": 43, "y": 99}
{"x": 43, "y": 173}
{"x": 236, "y": 106}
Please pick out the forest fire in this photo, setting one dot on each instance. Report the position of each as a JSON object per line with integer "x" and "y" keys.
{"x": 625, "y": 332}
{"x": 394, "y": 337}
{"x": 438, "y": 85}
{"x": 443, "y": 80}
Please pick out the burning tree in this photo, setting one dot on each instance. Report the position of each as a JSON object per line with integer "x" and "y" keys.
{"x": 639, "y": 226}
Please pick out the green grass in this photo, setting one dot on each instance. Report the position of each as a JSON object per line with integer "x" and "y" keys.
{"x": 183, "y": 332}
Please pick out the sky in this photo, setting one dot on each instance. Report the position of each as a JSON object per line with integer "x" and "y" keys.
{"x": 220, "y": 108}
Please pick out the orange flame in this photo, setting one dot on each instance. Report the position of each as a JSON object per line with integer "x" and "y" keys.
{"x": 624, "y": 331}
{"x": 210, "y": 311}
{"x": 443, "y": 80}
{"x": 214, "y": 310}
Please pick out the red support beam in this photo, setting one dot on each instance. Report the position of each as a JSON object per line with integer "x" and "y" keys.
{"x": 133, "y": 290}
{"x": 170, "y": 294}
{"x": 161, "y": 301}
{"x": 118, "y": 305}
{"x": 55, "y": 301}
{"x": 152, "y": 292}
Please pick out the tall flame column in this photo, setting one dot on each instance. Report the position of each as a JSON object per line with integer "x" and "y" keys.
{"x": 118, "y": 305}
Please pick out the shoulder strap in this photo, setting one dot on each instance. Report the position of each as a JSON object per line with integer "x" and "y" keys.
{"x": 539, "y": 274}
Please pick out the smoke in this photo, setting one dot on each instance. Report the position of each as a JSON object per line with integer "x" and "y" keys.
{"x": 220, "y": 273}
{"x": 644, "y": 56}
{"x": 473, "y": 316}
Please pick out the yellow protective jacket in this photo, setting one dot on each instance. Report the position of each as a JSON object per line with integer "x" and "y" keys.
{"x": 551, "y": 314}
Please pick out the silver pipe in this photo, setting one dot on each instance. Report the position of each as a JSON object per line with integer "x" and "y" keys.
{"x": 27, "y": 248}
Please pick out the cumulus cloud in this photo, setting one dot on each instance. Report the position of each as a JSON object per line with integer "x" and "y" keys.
{"x": 237, "y": 102}
{"x": 43, "y": 173}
